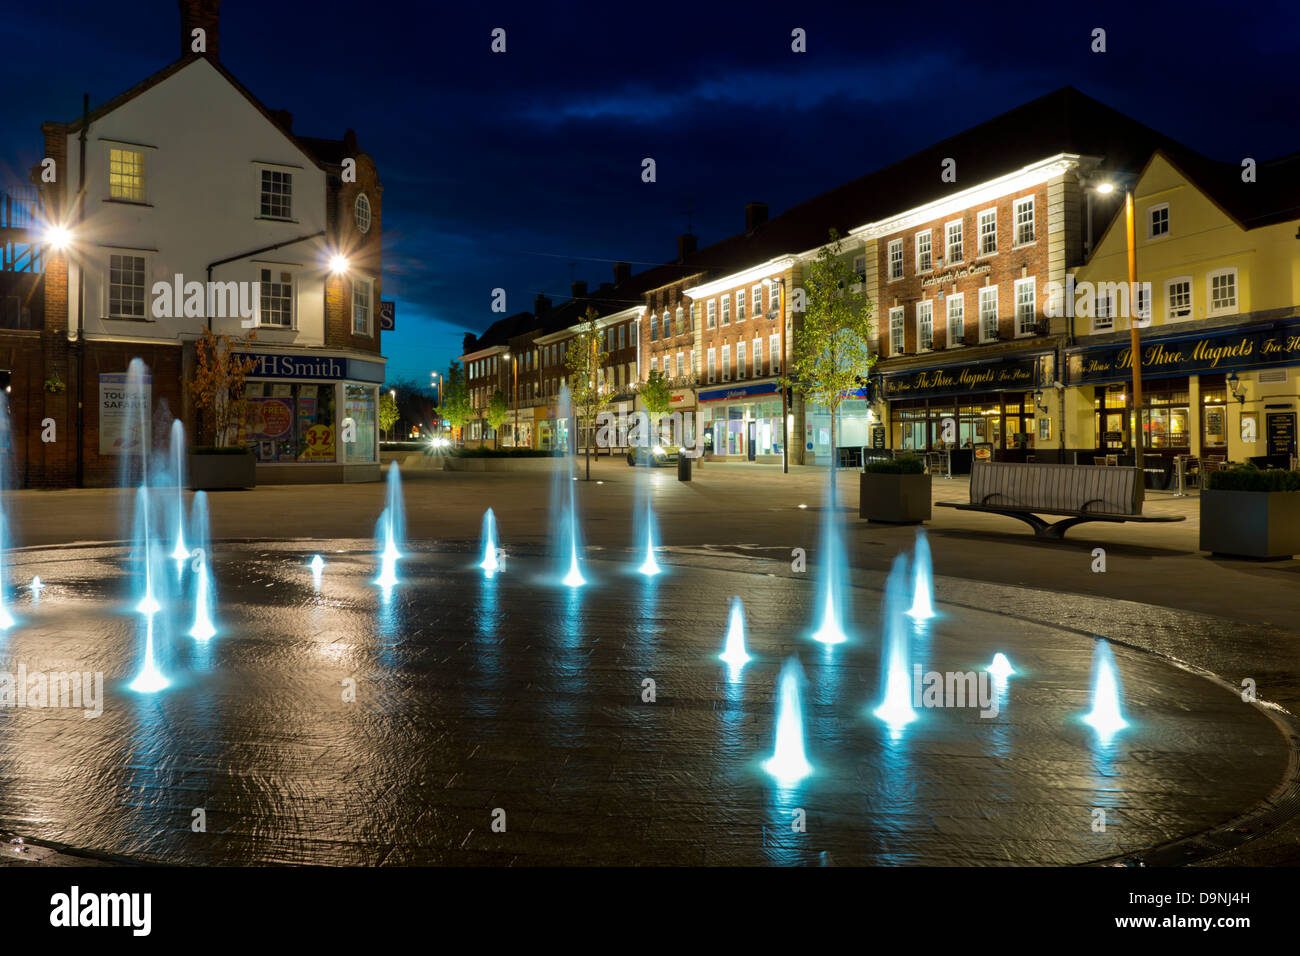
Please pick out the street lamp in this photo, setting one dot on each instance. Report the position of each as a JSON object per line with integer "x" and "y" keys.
{"x": 787, "y": 427}
{"x": 58, "y": 237}
{"x": 338, "y": 264}
{"x": 514, "y": 368}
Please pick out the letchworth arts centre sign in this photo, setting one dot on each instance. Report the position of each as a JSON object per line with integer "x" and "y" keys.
{"x": 1273, "y": 343}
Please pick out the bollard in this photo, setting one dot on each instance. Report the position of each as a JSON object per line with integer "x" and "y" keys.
{"x": 683, "y": 467}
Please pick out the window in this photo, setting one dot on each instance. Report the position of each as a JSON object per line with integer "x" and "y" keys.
{"x": 726, "y": 363}
{"x": 923, "y": 252}
{"x": 1223, "y": 291}
{"x": 756, "y": 300}
{"x": 289, "y": 421}
{"x": 1104, "y": 312}
{"x": 956, "y": 319}
{"x": 1178, "y": 293}
{"x": 681, "y": 364}
{"x": 1026, "y": 320}
{"x": 726, "y": 310}
{"x": 712, "y": 315}
{"x": 740, "y": 305}
{"x": 773, "y": 299}
{"x": 681, "y": 321}
{"x": 988, "y": 232}
{"x": 896, "y": 331}
{"x": 1024, "y": 209}
{"x": 954, "y": 235}
{"x": 740, "y": 360}
{"x": 654, "y": 327}
{"x": 988, "y": 313}
{"x": 774, "y": 354}
{"x": 277, "y": 194}
{"x": 362, "y": 292}
{"x": 860, "y": 267}
{"x": 654, "y": 364}
{"x": 361, "y": 213}
{"x": 712, "y": 367}
{"x": 758, "y": 358}
{"x": 126, "y": 174}
{"x": 895, "y": 259}
{"x": 691, "y": 327}
{"x": 924, "y": 326}
{"x": 276, "y": 298}
{"x": 1142, "y": 312}
{"x": 126, "y": 287}
{"x": 1158, "y": 221}
{"x": 622, "y": 336}
{"x": 668, "y": 324}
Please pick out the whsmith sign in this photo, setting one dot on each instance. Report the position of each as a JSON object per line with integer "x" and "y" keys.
{"x": 1013, "y": 375}
{"x": 1275, "y": 343}
{"x": 295, "y": 366}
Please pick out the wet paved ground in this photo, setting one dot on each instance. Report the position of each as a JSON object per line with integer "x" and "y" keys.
{"x": 521, "y": 695}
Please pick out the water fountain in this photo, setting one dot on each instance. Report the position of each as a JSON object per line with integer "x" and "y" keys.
{"x": 788, "y": 763}
{"x": 896, "y": 707}
{"x": 734, "y": 650}
{"x": 6, "y": 619}
{"x": 391, "y": 529}
{"x": 489, "y": 564}
{"x": 564, "y": 508}
{"x": 177, "y": 449}
{"x": 649, "y": 567}
{"x": 204, "y": 591}
{"x": 1105, "y": 717}
{"x": 36, "y": 588}
{"x": 834, "y": 577}
{"x": 1000, "y": 668}
{"x": 923, "y": 580}
{"x": 317, "y": 566}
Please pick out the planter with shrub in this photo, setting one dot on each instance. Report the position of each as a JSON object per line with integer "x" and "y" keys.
{"x": 896, "y": 491}
{"x": 1250, "y": 513}
{"x": 222, "y": 469}
{"x": 500, "y": 459}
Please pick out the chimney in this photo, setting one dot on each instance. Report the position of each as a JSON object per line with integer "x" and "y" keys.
{"x": 685, "y": 245}
{"x": 540, "y": 304}
{"x": 755, "y": 215}
{"x": 467, "y": 343}
{"x": 622, "y": 272}
{"x": 579, "y": 288}
{"x": 199, "y": 15}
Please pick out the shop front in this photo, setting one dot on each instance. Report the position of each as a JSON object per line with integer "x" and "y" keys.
{"x": 853, "y": 428}
{"x": 312, "y": 418}
{"x": 742, "y": 424}
{"x": 1208, "y": 393}
{"x": 994, "y": 406}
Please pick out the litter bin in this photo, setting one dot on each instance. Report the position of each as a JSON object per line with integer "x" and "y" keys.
{"x": 683, "y": 467}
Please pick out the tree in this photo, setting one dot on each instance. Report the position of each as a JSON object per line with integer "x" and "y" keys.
{"x": 832, "y": 351}
{"x": 658, "y": 398}
{"x": 388, "y": 412}
{"x": 456, "y": 408}
{"x": 497, "y": 411}
{"x": 584, "y": 362}
{"x": 218, "y": 386}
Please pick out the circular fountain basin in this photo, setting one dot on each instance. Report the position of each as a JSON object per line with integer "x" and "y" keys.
{"x": 349, "y": 727}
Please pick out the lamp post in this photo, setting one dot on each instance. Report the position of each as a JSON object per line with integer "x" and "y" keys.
{"x": 514, "y": 370}
{"x": 785, "y": 413}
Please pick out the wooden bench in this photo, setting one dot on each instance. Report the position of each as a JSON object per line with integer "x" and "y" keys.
{"x": 1079, "y": 492}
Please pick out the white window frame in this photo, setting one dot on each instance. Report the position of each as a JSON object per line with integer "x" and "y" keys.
{"x": 774, "y": 354}
{"x": 1191, "y": 299}
{"x": 860, "y": 268}
{"x": 741, "y": 371}
{"x": 958, "y": 299}
{"x": 1151, "y": 215}
{"x": 140, "y": 151}
{"x": 292, "y": 173}
{"x": 1104, "y": 307}
{"x": 758, "y": 357}
{"x": 895, "y": 258}
{"x": 725, "y": 358}
{"x": 948, "y": 243}
{"x": 924, "y": 234}
{"x": 681, "y": 364}
{"x": 681, "y": 320}
{"x": 367, "y": 283}
{"x": 726, "y": 310}
{"x": 1210, "y": 308}
{"x": 711, "y": 320}
{"x": 275, "y": 268}
{"x": 1016, "y": 224}
{"x": 147, "y": 285}
{"x": 924, "y": 308}
{"x": 897, "y": 318}
{"x": 713, "y": 367}
{"x": 667, "y": 325}
{"x": 979, "y": 232}
{"x": 987, "y": 292}
{"x": 1019, "y": 287}
{"x": 756, "y": 300}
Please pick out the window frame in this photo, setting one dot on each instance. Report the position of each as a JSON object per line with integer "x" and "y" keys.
{"x": 1029, "y": 282}
{"x": 147, "y": 285}
{"x": 979, "y": 232}
{"x": 960, "y": 299}
{"x": 927, "y": 235}
{"x": 1016, "y": 206}
{"x": 922, "y": 307}
{"x": 948, "y": 260}
{"x": 1235, "y": 307}
{"x": 997, "y": 317}
{"x": 263, "y": 169}
{"x": 360, "y": 281}
{"x": 1150, "y": 217}
{"x": 897, "y": 320}
{"x": 1191, "y": 299}
{"x": 141, "y": 151}
{"x": 895, "y": 245}
{"x": 276, "y": 267}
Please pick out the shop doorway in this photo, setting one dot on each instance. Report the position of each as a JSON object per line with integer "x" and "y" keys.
{"x": 751, "y": 442}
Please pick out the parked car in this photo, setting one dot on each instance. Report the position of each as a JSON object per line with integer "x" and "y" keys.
{"x": 659, "y": 455}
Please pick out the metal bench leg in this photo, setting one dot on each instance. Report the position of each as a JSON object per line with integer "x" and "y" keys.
{"x": 1057, "y": 530}
{"x": 1041, "y": 527}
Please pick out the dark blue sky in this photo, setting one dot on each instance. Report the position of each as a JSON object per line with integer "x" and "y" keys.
{"x": 502, "y": 170}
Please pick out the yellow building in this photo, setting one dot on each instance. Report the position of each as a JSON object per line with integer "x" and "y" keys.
{"x": 1218, "y": 268}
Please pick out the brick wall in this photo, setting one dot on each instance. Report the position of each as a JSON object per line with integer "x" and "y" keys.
{"x": 364, "y": 253}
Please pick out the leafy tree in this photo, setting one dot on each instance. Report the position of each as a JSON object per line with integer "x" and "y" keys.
{"x": 456, "y": 408}
{"x": 832, "y": 353}
{"x": 657, "y": 396}
{"x": 584, "y": 362}
{"x": 218, "y": 386}
{"x": 388, "y": 412}
{"x": 497, "y": 411}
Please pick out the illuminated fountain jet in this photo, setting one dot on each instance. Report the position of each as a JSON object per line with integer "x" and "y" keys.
{"x": 180, "y": 552}
{"x": 923, "y": 580}
{"x": 649, "y": 567}
{"x": 36, "y": 588}
{"x": 390, "y": 530}
{"x": 1105, "y": 716}
{"x": 788, "y": 764}
{"x": 734, "y": 650}
{"x": 1001, "y": 668}
{"x": 317, "y": 567}
{"x": 896, "y": 707}
{"x": 489, "y": 564}
{"x": 204, "y": 592}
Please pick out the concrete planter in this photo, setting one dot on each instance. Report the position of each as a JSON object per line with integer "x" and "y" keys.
{"x": 453, "y": 463}
{"x": 897, "y": 499}
{"x": 1251, "y": 524}
{"x": 222, "y": 472}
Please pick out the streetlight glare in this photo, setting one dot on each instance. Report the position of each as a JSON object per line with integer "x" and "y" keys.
{"x": 58, "y": 237}
{"x": 1105, "y": 188}
{"x": 338, "y": 264}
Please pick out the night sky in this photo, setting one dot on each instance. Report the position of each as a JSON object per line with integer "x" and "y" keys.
{"x": 523, "y": 170}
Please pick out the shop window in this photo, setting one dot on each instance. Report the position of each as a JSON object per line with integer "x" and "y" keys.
{"x": 359, "y": 405}
{"x": 290, "y": 421}
{"x": 1214, "y": 411}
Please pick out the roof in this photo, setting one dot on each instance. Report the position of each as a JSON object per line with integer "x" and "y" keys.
{"x": 1273, "y": 197}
